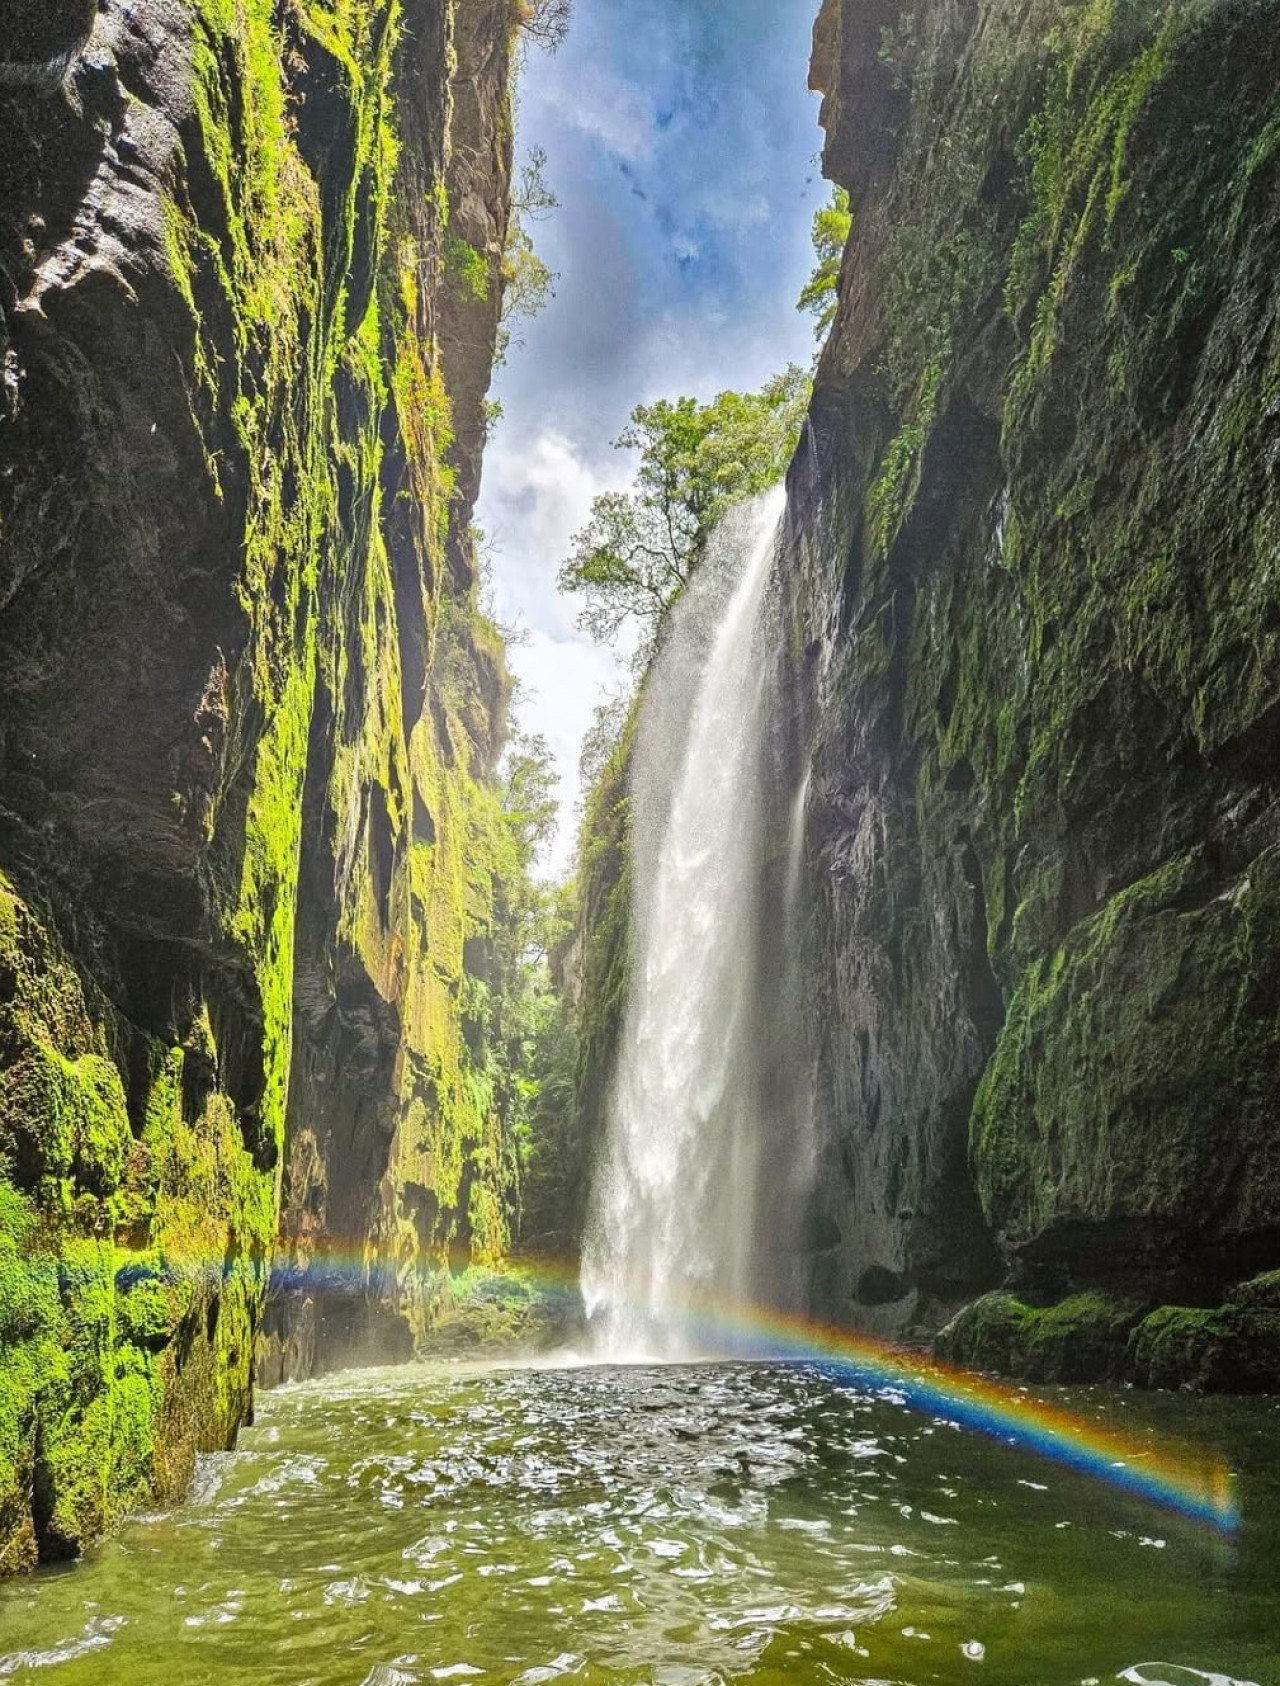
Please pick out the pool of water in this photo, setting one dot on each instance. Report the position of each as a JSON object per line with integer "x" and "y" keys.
{"x": 669, "y": 1525}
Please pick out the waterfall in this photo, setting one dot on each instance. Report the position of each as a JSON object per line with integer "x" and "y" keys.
{"x": 795, "y": 848}
{"x": 680, "y": 1203}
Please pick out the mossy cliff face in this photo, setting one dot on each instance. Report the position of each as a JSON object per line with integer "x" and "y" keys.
{"x": 1037, "y": 596}
{"x": 248, "y": 708}
{"x": 400, "y": 1170}
{"x": 133, "y": 1233}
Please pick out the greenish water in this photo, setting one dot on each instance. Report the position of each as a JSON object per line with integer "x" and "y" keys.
{"x": 675, "y": 1526}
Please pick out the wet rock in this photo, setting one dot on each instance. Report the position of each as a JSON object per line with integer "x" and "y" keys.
{"x": 878, "y": 1286}
{"x": 1081, "y": 1339}
{"x": 1232, "y": 1349}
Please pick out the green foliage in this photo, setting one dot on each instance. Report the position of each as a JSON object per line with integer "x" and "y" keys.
{"x": 531, "y": 197}
{"x": 639, "y": 549}
{"x": 532, "y": 920}
{"x": 930, "y": 282}
{"x": 1075, "y": 149}
{"x": 109, "y": 1244}
{"x": 1111, "y": 1088}
{"x": 1090, "y": 1337}
{"x": 630, "y": 564}
{"x": 528, "y": 285}
{"x": 467, "y": 267}
{"x": 529, "y": 797}
{"x": 832, "y": 225}
{"x": 503, "y": 1311}
{"x": 601, "y": 739}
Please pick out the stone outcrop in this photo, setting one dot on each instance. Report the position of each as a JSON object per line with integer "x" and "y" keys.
{"x": 1035, "y": 554}
{"x": 250, "y": 277}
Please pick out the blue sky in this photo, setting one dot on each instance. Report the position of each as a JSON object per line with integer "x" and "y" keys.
{"x": 681, "y": 143}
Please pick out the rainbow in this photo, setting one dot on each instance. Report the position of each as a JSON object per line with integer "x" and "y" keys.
{"x": 1190, "y": 1482}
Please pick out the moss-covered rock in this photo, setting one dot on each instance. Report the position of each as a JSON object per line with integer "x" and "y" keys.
{"x": 1127, "y": 1058}
{"x": 99, "y": 1342}
{"x": 1080, "y": 1339}
{"x": 401, "y": 1152}
{"x": 1089, "y": 1337}
{"x": 595, "y": 973}
{"x": 506, "y": 1313}
{"x": 1231, "y": 1349}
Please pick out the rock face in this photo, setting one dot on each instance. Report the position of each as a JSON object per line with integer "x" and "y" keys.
{"x": 1036, "y": 583}
{"x": 398, "y": 1162}
{"x": 250, "y": 274}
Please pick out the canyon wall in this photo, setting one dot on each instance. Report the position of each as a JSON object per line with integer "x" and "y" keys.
{"x": 1035, "y": 576}
{"x": 250, "y": 281}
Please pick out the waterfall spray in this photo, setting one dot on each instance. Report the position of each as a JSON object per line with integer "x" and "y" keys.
{"x": 677, "y": 1206}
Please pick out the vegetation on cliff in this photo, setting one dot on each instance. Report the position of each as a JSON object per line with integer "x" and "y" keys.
{"x": 263, "y": 906}
{"x": 629, "y": 567}
{"x": 1031, "y": 592}
{"x": 1031, "y": 556}
{"x": 278, "y": 984}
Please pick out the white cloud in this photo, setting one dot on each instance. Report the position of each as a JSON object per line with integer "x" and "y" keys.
{"x": 670, "y": 129}
{"x": 537, "y": 495}
{"x": 611, "y": 111}
{"x": 560, "y": 684}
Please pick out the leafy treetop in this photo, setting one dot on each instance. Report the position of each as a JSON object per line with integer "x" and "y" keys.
{"x": 831, "y": 228}
{"x": 528, "y": 285}
{"x": 637, "y": 552}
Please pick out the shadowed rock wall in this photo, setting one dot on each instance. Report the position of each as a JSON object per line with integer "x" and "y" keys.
{"x": 250, "y": 273}
{"x": 1037, "y": 606}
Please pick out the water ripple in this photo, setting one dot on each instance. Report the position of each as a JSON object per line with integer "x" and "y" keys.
{"x": 647, "y": 1527}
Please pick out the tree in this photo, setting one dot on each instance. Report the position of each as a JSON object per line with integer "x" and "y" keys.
{"x": 528, "y": 795}
{"x": 513, "y": 995}
{"x": 528, "y": 285}
{"x": 546, "y": 22}
{"x": 531, "y": 197}
{"x": 831, "y": 227}
{"x": 637, "y": 552}
{"x": 602, "y": 736}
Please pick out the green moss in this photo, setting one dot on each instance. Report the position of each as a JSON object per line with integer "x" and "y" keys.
{"x": 503, "y": 1312}
{"x": 467, "y": 268}
{"x": 1080, "y": 1339}
{"x": 1089, "y": 1337}
{"x": 1259, "y": 1293}
{"x": 1116, "y": 1076}
{"x": 932, "y": 278}
{"x": 1233, "y": 1349}
{"x": 890, "y": 499}
{"x": 135, "y": 1238}
{"x": 604, "y": 919}
{"x": 1051, "y": 477}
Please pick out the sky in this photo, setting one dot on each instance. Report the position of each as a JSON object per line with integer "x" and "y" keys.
{"x": 681, "y": 143}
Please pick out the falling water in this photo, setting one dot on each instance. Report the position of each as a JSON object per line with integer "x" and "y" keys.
{"x": 795, "y": 848}
{"x": 678, "y": 1209}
